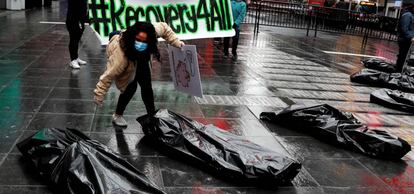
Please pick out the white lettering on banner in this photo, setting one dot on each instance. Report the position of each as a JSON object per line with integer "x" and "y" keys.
{"x": 241, "y": 100}
{"x": 352, "y": 54}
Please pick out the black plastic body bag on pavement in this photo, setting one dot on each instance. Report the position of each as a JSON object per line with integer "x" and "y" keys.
{"x": 394, "y": 99}
{"x": 379, "y": 64}
{"x": 76, "y": 164}
{"x": 222, "y": 152}
{"x": 403, "y": 82}
{"x": 341, "y": 128}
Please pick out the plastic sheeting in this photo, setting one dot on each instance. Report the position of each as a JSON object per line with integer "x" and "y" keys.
{"x": 341, "y": 128}
{"x": 228, "y": 155}
{"x": 379, "y": 64}
{"x": 394, "y": 99}
{"x": 76, "y": 164}
{"x": 380, "y": 79}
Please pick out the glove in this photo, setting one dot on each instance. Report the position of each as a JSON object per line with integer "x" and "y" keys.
{"x": 98, "y": 100}
{"x": 235, "y": 26}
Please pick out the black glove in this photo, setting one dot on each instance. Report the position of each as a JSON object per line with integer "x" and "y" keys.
{"x": 149, "y": 124}
{"x": 235, "y": 26}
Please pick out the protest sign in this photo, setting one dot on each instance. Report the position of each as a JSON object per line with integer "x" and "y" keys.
{"x": 184, "y": 70}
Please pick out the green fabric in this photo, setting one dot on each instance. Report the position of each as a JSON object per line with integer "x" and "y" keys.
{"x": 40, "y": 135}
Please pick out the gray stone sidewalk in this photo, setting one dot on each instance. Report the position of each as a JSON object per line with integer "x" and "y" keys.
{"x": 278, "y": 68}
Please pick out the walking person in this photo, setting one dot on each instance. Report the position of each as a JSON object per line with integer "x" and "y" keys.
{"x": 405, "y": 34}
{"x": 76, "y": 17}
{"x": 129, "y": 54}
{"x": 239, "y": 12}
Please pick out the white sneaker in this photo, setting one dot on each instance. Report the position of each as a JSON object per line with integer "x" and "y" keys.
{"x": 119, "y": 120}
{"x": 81, "y": 62}
{"x": 74, "y": 64}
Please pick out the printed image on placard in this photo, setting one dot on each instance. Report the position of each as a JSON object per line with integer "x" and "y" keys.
{"x": 184, "y": 70}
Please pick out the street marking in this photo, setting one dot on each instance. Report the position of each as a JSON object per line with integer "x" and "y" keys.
{"x": 385, "y": 120}
{"x": 352, "y": 54}
{"x": 350, "y": 106}
{"x": 47, "y": 22}
{"x": 240, "y": 100}
{"x": 326, "y": 95}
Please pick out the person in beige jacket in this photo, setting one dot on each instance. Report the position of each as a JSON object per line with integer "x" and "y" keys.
{"x": 129, "y": 54}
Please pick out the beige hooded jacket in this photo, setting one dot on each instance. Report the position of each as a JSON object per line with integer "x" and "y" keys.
{"x": 119, "y": 68}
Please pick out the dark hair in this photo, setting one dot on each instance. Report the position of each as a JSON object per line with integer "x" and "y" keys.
{"x": 128, "y": 40}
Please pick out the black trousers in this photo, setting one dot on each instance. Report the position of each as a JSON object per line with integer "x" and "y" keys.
{"x": 235, "y": 42}
{"x": 75, "y": 29}
{"x": 143, "y": 77}
{"x": 404, "y": 46}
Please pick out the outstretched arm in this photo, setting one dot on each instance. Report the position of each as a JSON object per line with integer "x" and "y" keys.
{"x": 116, "y": 65}
{"x": 164, "y": 31}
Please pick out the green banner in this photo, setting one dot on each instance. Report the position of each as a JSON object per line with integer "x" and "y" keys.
{"x": 189, "y": 19}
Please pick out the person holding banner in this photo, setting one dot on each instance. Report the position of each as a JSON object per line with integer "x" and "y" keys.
{"x": 129, "y": 54}
{"x": 239, "y": 12}
{"x": 76, "y": 17}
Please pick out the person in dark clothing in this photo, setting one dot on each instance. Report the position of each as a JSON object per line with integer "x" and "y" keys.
{"x": 143, "y": 78}
{"x": 129, "y": 54}
{"x": 239, "y": 12}
{"x": 341, "y": 5}
{"x": 76, "y": 17}
{"x": 405, "y": 34}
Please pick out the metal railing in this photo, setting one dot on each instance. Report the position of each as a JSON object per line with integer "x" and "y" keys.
{"x": 312, "y": 18}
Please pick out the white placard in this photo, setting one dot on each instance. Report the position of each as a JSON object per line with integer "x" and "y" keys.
{"x": 184, "y": 70}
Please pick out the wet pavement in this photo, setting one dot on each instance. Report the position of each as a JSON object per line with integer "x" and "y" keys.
{"x": 278, "y": 68}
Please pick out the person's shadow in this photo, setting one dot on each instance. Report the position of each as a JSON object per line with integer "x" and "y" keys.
{"x": 121, "y": 141}
{"x": 74, "y": 93}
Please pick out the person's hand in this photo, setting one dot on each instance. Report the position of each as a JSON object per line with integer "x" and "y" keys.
{"x": 412, "y": 40}
{"x": 235, "y": 26}
{"x": 182, "y": 44}
{"x": 98, "y": 100}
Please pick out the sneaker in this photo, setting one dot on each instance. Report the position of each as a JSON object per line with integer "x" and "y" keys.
{"x": 74, "y": 64}
{"x": 119, "y": 120}
{"x": 81, "y": 62}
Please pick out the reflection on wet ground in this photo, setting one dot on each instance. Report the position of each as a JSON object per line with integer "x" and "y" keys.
{"x": 275, "y": 69}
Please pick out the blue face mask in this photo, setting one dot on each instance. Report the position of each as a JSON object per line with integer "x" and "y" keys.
{"x": 140, "y": 46}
